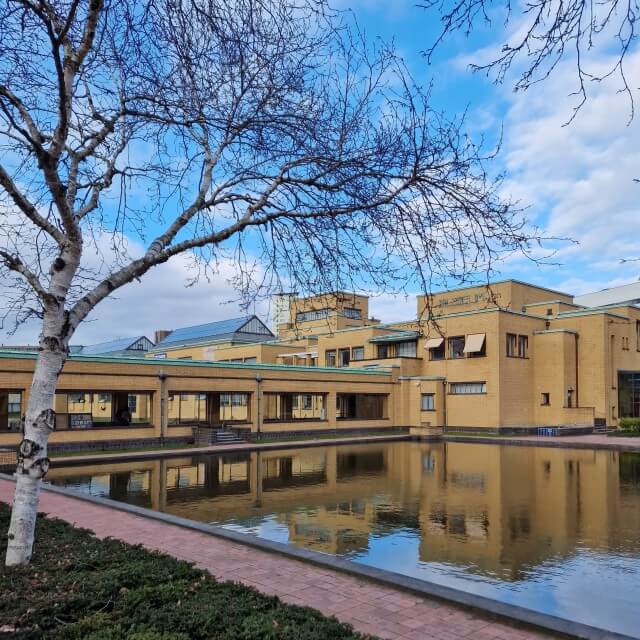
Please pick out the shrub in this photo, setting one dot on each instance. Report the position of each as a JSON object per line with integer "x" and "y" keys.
{"x": 80, "y": 588}
{"x": 630, "y": 424}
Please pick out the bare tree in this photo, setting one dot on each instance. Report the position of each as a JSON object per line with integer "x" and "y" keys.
{"x": 263, "y": 130}
{"x": 545, "y": 32}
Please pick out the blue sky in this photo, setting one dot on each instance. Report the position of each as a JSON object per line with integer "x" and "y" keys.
{"x": 576, "y": 180}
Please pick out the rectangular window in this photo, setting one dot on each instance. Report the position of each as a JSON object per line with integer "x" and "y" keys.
{"x": 315, "y": 314}
{"x": 80, "y": 410}
{"x": 637, "y": 335}
{"x": 545, "y": 400}
{"x": 435, "y": 347}
{"x": 10, "y": 410}
{"x": 330, "y": 358}
{"x": 290, "y": 407}
{"x": 353, "y": 313}
{"x": 523, "y": 346}
{"x": 467, "y": 388}
{"x": 517, "y": 346}
{"x": 357, "y": 353}
{"x": 407, "y": 349}
{"x": 427, "y": 402}
{"x": 475, "y": 345}
{"x": 383, "y": 351}
{"x": 569, "y": 398}
{"x": 456, "y": 347}
{"x": 344, "y": 355}
{"x": 361, "y": 406}
{"x": 512, "y": 345}
{"x": 250, "y": 360}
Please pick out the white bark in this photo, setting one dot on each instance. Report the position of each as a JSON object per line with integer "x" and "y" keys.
{"x": 33, "y": 462}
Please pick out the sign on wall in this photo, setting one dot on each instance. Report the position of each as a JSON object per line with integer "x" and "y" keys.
{"x": 80, "y": 421}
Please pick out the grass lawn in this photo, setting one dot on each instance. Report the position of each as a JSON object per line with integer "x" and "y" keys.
{"x": 79, "y": 587}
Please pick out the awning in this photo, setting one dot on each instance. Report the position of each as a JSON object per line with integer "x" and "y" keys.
{"x": 433, "y": 343}
{"x": 474, "y": 343}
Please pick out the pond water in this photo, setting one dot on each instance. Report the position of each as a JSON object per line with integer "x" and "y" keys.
{"x": 555, "y": 530}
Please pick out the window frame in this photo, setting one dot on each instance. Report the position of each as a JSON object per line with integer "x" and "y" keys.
{"x": 450, "y": 349}
{"x": 431, "y": 398}
{"x": 334, "y": 354}
{"x": 359, "y": 350}
{"x": 482, "y": 392}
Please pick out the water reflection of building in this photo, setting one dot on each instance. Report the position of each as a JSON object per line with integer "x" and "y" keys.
{"x": 492, "y": 509}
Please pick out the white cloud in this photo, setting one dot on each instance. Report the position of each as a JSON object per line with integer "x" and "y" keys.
{"x": 160, "y": 300}
{"x": 578, "y": 178}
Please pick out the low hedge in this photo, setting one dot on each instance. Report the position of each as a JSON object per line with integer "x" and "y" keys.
{"x": 79, "y": 587}
{"x": 629, "y": 424}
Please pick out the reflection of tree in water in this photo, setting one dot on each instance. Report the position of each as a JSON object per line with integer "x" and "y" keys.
{"x": 630, "y": 469}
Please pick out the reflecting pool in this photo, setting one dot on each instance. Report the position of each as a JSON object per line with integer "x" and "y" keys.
{"x": 556, "y": 530}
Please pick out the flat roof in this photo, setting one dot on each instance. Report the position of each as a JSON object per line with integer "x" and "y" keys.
{"x": 26, "y": 355}
{"x": 490, "y": 284}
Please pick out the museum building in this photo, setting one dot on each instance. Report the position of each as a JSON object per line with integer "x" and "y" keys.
{"x": 507, "y": 357}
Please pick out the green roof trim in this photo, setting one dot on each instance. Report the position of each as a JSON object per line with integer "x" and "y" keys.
{"x": 398, "y": 336}
{"x": 593, "y": 311}
{"x": 541, "y": 304}
{"x": 30, "y": 355}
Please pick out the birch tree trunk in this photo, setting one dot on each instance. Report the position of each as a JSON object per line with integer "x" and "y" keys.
{"x": 33, "y": 462}
{"x": 39, "y": 422}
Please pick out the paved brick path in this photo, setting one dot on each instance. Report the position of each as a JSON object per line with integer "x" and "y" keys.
{"x": 369, "y": 607}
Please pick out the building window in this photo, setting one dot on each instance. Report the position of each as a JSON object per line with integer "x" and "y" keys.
{"x": 353, "y": 313}
{"x": 637, "y": 335}
{"x": 512, "y": 345}
{"x": 10, "y": 410}
{"x": 250, "y": 360}
{"x": 475, "y": 345}
{"x": 456, "y": 347}
{"x": 361, "y": 406}
{"x": 517, "y": 346}
{"x": 316, "y": 314}
{"x": 330, "y": 358}
{"x": 344, "y": 355}
{"x": 523, "y": 346}
{"x": 102, "y": 409}
{"x": 545, "y": 400}
{"x": 569, "y": 398}
{"x": 437, "y": 352}
{"x": 467, "y": 388}
{"x": 383, "y": 351}
{"x": 427, "y": 402}
{"x": 357, "y": 353}
{"x": 625, "y": 343}
{"x": 549, "y": 312}
{"x": 407, "y": 349}
{"x": 286, "y": 407}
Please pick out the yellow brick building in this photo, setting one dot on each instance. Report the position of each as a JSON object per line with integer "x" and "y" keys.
{"x": 506, "y": 357}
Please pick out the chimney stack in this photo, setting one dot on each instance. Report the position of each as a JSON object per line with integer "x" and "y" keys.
{"x": 161, "y": 334}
